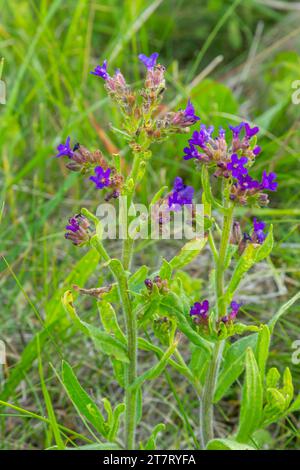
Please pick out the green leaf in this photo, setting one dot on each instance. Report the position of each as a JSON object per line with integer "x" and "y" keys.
{"x": 275, "y": 406}
{"x": 158, "y": 195}
{"x": 252, "y": 254}
{"x": 262, "y": 350}
{"x": 174, "y": 305}
{"x": 188, "y": 253}
{"x": 282, "y": 311}
{"x": 165, "y": 271}
{"x": 102, "y": 446}
{"x": 227, "y": 444}
{"x": 107, "y": 344}
{"x": 119, "y": 371}
{"x": 52, "y": 418}
{"x": 67, "y": 301}
{"x": 265, "y": 249}
{"x": 199, "y": 362}
{"x": 252, "y": 400}
{"x": 109, "y": 320}
{"x": 206, "y": 186}
{"x": 151, "y": 443}
{"x": 233, "y": 364}
{"x": 273, "y": 377}
{"x": 157, "y": 369}
{"x": 295, "y": 406}
{"x": 115, "y": 421}
{"x": 81, "y": 271}
{"x": 136, "y": 281}
{"x": 81, "y": 400}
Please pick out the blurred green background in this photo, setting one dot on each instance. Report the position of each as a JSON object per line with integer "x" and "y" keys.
{"x": 236, "y": 60}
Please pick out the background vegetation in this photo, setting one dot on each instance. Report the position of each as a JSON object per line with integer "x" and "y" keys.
{"x": 236, "y": 59}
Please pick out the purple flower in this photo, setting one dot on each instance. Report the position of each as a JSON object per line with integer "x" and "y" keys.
{"x": 191, "y": 152}
{"x": 236, "y": 130}
{"x": 246, "y": 182}
{"x": 256, "y": 150}
{"x": 73, "y": 225}
{"x": 189, "y": 112}
{"x": 101, "y": 71}
{"x": 222, "y": 133}
{"x": 200, "y": 309}
{"x": 180, "y": 196}
{"x": 236, "y": 165}
{"x": 101, "y": 179}
{"x": 78, "y": 230}
{"x": 258, "y": 231}
{"x": 65, "y": 149}
{"x": 200, "y": 138}
{"x": 250, "y": 132}
{"x": 234, "y": 311}
{"x": 268, "y": 181}
{"x": 149, "y": 62}
{"x": 178, "y": 184}
{"x": 148, "y": 283}
{"x": 258, "y": 224}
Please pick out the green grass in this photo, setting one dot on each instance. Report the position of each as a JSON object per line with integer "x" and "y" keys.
{"x": 217, "y": 53}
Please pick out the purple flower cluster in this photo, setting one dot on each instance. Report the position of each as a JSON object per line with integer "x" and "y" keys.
{"x": 258, "y": 235}
{"x": 199, "y": 311}
{"x": 232, "y": 160}
{"x": 149, "y": 62}
{"x": 233, "y": 313}
{"x": 101, "y": 178}
{"x": 78, "y": 229}
{"x": 101, "y": 71}
{"x": 64, "y": 150}
{"x": 180, "y": 196}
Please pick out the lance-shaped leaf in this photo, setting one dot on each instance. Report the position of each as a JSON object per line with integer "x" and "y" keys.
{"x": 115, "y": 421}
{"x": 175, "y": 306}
{"x": 136, "y": 281}
{"x": 82, "y": 401}
{"x": 233, "y": 364}
{"x": 107, "y": 344}
{"x": 158, "y": 368}
{"x": 187, "y": 253}
{"x": 252, "y": 400}
{"x": 262, "y": 350}
{"x": 253, "y": 254}
{"x": 282, "y": 311}
{"x": 278, "y": 399}
{"x": 151, "y": 443}
{"x": 109, "y": 321}
{"x": 227, "y": 444}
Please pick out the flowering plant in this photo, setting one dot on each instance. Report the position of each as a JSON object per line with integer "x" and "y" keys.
{"x": 158, "y": 311}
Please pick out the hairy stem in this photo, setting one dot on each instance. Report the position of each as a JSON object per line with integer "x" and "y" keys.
{"x": 220, "y": 263}
{"x": 131, "y": 323}
{"x": 127, "y": 247}
{"x": 206, "y": 403}
{"x": 131, "y": 372}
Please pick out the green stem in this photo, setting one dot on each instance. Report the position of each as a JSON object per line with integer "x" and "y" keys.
{"x": 206, "y": 403}
{"x": 220, "y": 263}
{"x": 131, "y": 322}
{"x": 131, "y": 372}
{"x": 131, "y": 330}
{"x": 127, "y": 247}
